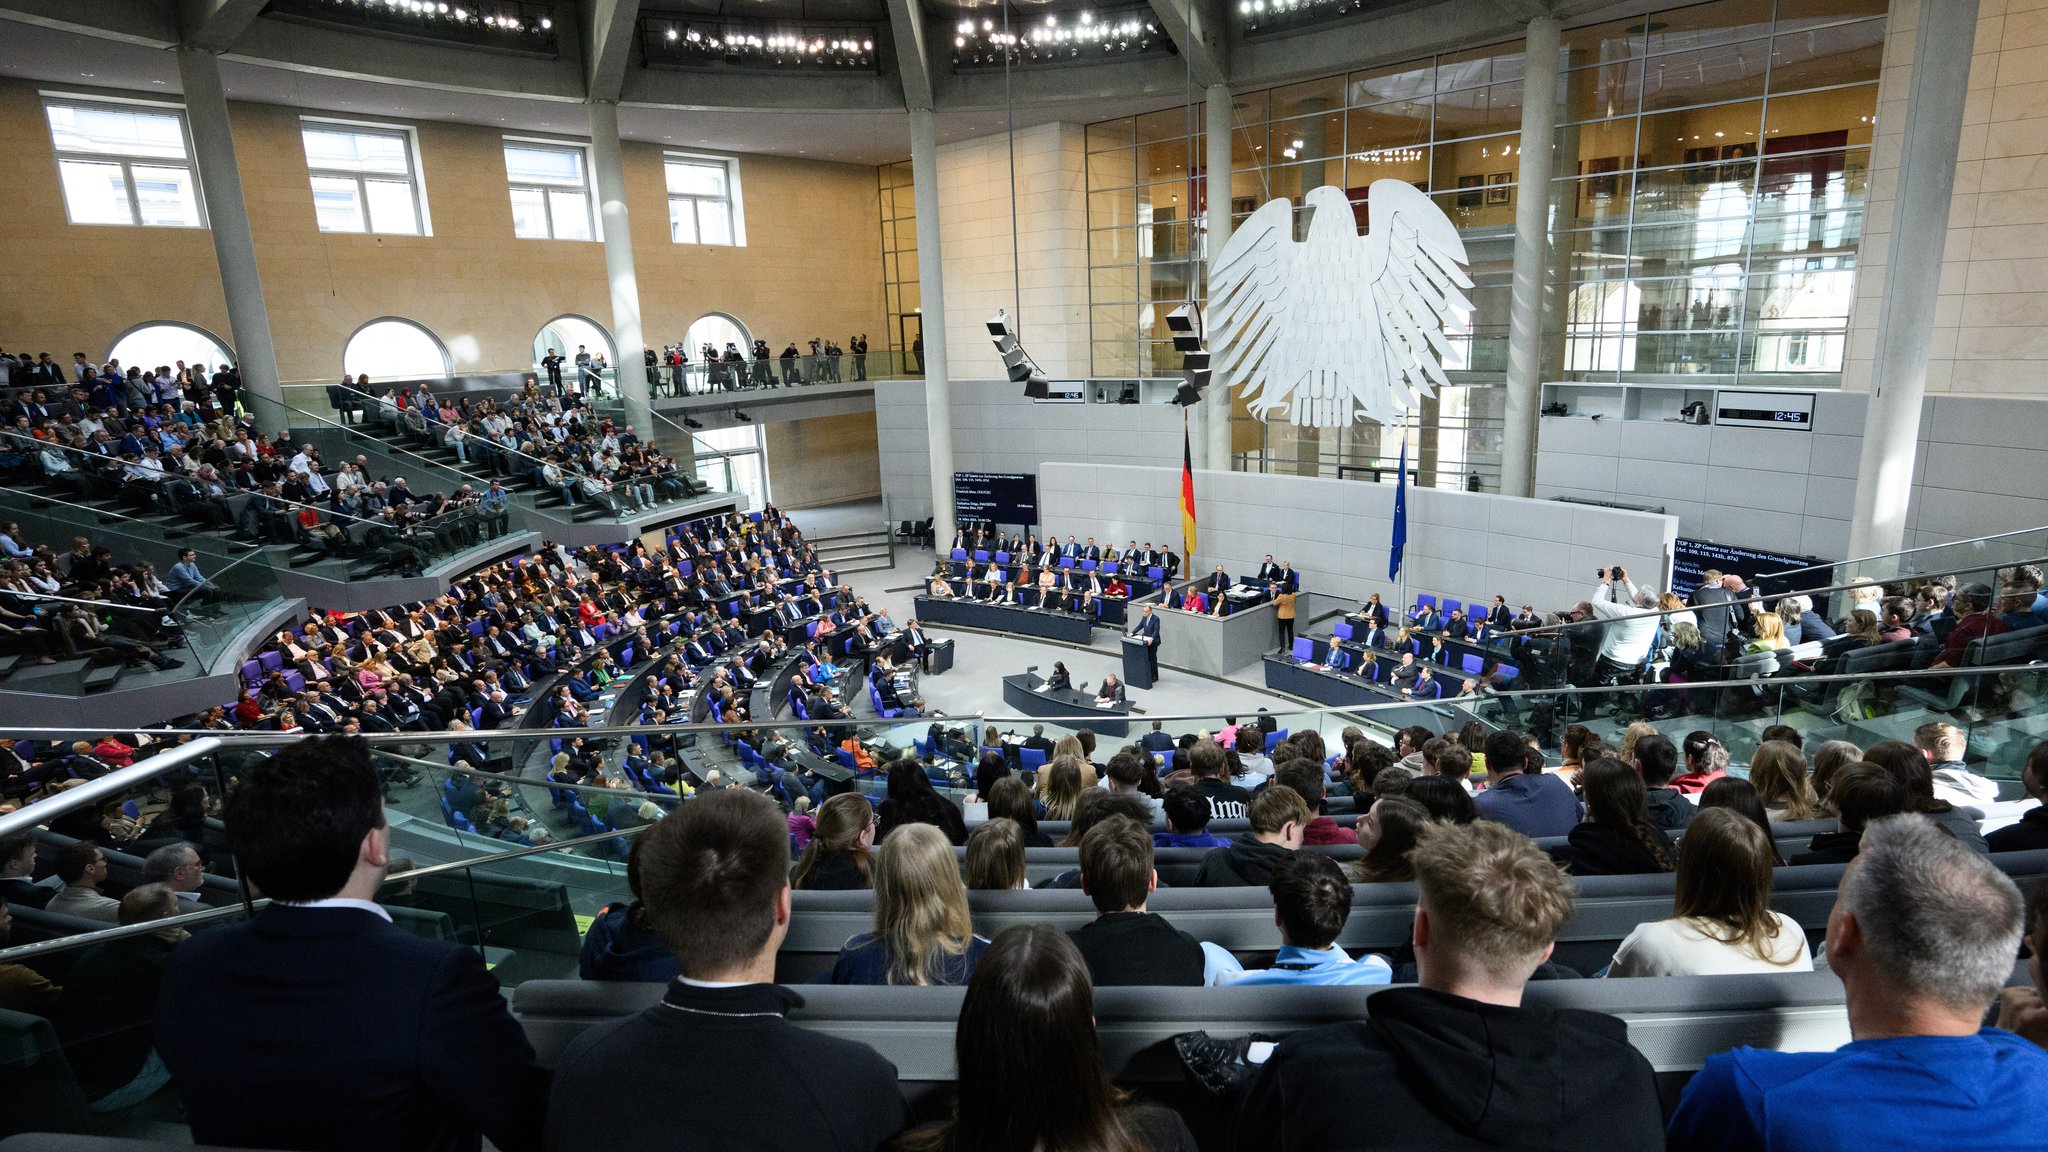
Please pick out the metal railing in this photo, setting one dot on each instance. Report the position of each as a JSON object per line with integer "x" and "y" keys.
{"x": 112, "y": 784}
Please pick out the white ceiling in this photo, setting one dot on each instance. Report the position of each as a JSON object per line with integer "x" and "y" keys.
{"x": 50, "y": 56}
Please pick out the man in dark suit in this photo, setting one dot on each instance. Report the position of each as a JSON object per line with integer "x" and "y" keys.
{"x": 1111, "y": 692}
{"x": 319, "y": 1024}
{"x": 1427, "y": 618}
{"x": 715, "y": 875}
{"x": 1218, "y": 582}
{"x": 1147, "y": 629}
{"x": 1268, "y": 571}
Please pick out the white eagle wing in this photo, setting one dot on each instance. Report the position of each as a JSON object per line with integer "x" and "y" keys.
{"x": 1248, "y": 308}
{"x": 1415, "y": 260}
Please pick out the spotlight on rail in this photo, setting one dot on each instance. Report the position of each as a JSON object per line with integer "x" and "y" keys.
{"x": 1016, "y": 361}
{"x": 1185, "y": 322}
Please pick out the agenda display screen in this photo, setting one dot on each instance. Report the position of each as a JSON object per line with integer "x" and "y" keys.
{"x": 1690, "y": 557}
{"x": 1006, "y": 498}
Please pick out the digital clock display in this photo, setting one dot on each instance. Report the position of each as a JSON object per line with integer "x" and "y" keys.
{"x": 1792, "y": 411}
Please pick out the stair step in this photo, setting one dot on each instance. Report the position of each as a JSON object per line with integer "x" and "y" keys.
{"x": 589, "y": 512}
{"x": 8, "y": 664}
{"x": 103, "y": 677}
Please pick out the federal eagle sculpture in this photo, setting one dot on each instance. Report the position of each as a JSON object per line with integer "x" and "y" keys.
{"x": 1339, "y": 327}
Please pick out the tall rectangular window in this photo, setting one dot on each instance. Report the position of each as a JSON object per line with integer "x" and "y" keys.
{"x": 551, "y": 195}
{"x": 704, "y": 200}
{"x": 125, "y": 164}
{"x": 365, "y": 179}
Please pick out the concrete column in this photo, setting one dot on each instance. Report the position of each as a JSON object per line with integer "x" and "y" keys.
{"x": 1927, "y": 178}
{"x": 1216, "y": 405}
{"x": 234, "y": 246}
{"x": 1532, "y": 254}
{"x": 931, "y": 291}
{"x": 631, "y": 369}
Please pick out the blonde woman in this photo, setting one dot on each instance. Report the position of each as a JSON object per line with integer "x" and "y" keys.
{"x": 923, "y": 933}
{"x": 1770, "y": 634}
{"x": 1778, "y": 771}
{"x": 1063, "y": 787}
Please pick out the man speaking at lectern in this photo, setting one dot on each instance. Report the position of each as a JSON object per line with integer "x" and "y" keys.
{"x": 1147, "y": 629}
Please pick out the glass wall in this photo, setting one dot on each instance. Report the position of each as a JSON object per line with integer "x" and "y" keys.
{"x": 1710, "y": 169}
{"x": 1712, "y": 163}
{"x": 899, "y": 257}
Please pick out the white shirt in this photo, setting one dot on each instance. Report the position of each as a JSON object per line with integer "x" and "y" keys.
{"x": 1628, "y": 640}
{"x": 340, "y": 902}
{"x": 1679, "y": 948}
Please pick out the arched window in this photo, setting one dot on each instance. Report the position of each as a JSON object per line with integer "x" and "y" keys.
{"x": 717, "y": 329}
{"x": 565, "y": 333}
{"x": 390, "y": 348}
{"x": 166, "y": 342}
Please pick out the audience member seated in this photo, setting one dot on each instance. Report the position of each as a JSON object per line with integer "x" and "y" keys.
{"x": 1706, "y": 761}
{"x": 2030, "y": 832}
{"x": 1312, "y": 902}
{"x": 17, "y": 865}
{"x": 1030, "y": 1073}
{"x": 1187, "y": 821}
{"x": 1458, "y": 1061}
{"x": 1616, "y": 838}
{"x": 923, "y": 933}
{"x": 83, "y": 868}
{"x": 1126, "y": 944}
{"x": 913, "y": 800}
{"x": 319, "y": 1024}
{"x": 1534, "y": 804}
{"x": 1722, "y": 921}
{"x": 840, "y": 856}
{"x": 622, "y": 943}
{"x": 1388, "y": 832}
{"x": 1010, "y": 799}
{"x": 2022, "y": 1010}
{"x": 1278, "y": 818}
{"x": 1305, "y": 776}
{"x": 1944, "y": 744}
{"x": 1778, "y": 771}
{"x": 717, "y": 893}
{"x": 1211, "y": 766}
{"x": 1655, "y": 759}
{"x": 110, "y": 996}
{"x": 22, "y": 988}
{"x": 1910, "y": 768}
{"x": 995, "y": 857}
{"x": 1922, "y": 935}
{"x": 1861, "y": 793}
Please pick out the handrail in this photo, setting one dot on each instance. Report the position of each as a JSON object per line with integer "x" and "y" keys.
{"x": 435, "y": 466}
{"x": 695, "y": 441}
{"x": 250, "y": 906}
{"x": 1909, "y": 552}
{"x": 241, "y": 739}
{"x": 112, "y": 784}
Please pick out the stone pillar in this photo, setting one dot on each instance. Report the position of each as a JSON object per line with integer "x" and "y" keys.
{"x": 1216, "y": 405}
{"x": 234, "y": 246}
{"x": 1532, "y": 257}
{"x": 1927, "y": 176}
{"x": 931, "y": 290}
{"x": 606, "y": 165}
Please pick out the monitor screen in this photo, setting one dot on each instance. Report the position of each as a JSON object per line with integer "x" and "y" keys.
{"x": 999, "y": 498}
{"x": 1692, "y": 557}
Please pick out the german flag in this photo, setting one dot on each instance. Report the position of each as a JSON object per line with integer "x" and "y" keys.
{"x": 1187, "y": 497}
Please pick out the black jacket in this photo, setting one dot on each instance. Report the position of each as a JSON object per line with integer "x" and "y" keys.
{"x": 1450, "y": 1073}
{"x": 2031, "y": 832}
{"x": 1245, "y": 862}
{"x": 329, "y": 1028}
{"x": 1669, "y": 809}
{"x": 1603, "y": 850}
{"x": 1139, "y": 948}
{"x": 853, "y": 1109}
{"x": 836, "y": 872}
{"x": 1830, "y": 848}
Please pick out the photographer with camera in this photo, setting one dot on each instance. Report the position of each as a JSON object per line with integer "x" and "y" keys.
{"x": 1631, "y": 629}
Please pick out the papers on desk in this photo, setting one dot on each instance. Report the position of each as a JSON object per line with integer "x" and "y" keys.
{"x": 1043, "y": 688}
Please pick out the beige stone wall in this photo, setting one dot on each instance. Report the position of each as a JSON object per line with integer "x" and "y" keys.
{"x": 811, "y": 266}
{"x": 1052, "y": 242}
{"x": 1991, "y": 325}
{"x": 823, "y": 460}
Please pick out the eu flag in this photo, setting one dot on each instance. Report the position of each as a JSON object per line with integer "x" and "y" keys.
{"x": 1400, "y": 516}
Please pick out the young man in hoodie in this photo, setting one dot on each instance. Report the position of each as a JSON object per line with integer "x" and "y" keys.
{"x": 1212, "y": 778}
{"x": 1922, "y": 934}
{"x": 1279, "y": 816}
{"x": 1125, "y": 944}
{"x": 1458, "y": 1062}
{"x": 1306, "y": 778}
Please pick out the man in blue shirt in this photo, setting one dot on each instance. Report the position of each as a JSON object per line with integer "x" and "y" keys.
{"x": 1922, "y": 934}
{"x": 1531, "y": 803}
{"x": 184, "y": 579}
{"x": 1311, "y": 902}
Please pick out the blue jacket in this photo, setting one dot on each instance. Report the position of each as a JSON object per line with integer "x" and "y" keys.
{"x": 865, "y": 960}
{"x": 1329, "y": 966}
{"x": 1187, "y": 840}
{"x": 1956, "y": 1093}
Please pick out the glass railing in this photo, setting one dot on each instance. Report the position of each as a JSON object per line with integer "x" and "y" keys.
{"x": 199, "y": 624}
{"x": 712, "y": 467}
{"x": 1981, "y": 555}
{"x": 666, "y": 382}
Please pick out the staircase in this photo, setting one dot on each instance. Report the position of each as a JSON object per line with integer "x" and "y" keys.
{"x": 846, "y": 552}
